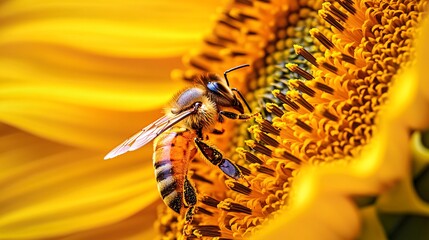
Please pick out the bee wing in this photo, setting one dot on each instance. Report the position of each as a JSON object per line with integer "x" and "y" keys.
{"x": 148, "y": 133}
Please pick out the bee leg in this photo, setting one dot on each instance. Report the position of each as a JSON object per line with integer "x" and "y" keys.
{"x": 232, "y": 115}
{"x": 189, "y": 215}
{"x": 216, "y": 158}
{"x": 230, "y": 169}
{"x": 190, "y": 199}
{"x": 189, "y": 193}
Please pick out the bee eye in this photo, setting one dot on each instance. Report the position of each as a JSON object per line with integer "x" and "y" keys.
{"x": 221, "y": 94}
{"x": 216, "y": 88}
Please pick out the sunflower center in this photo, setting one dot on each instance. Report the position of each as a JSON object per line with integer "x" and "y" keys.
{"x": 271, "y": 73}
{"x": 322, "y": 73}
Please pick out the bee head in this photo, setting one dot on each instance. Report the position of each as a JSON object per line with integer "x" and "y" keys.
{"x": 221, "y": 93}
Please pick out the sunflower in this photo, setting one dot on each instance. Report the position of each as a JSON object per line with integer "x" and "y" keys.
{"x": 329, "y": 158}
{"x": 335, "y": 154}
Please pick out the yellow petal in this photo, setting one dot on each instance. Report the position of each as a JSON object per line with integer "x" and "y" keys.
{"x": 420, "y": 153}
{"x": 75, "y": 125}
{"x": 371, "y": 224}
{"x": 65, "y": 75}
{"x": 49, "y": 191}
{"x": 423, "y": 49}
{"x": 139, "y": 226}
{"x": 127, "y": 28}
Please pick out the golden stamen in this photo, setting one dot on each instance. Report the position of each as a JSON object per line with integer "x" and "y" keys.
{"x": 296, "y": 69}
{"x": 273, "y": 108}
{"x": 306, "y": 54}
{"x": 249, "y": 156}
{"x": 230, "y": 206}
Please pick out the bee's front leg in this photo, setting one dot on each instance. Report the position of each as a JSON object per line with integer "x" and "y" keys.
{"x": 232, "y": 115}
{"x": 217, "y": 159}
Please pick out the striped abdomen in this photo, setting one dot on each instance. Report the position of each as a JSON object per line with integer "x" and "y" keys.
{"x": 173, "y": 151}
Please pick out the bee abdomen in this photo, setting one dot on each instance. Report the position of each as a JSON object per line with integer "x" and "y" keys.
{"x": 174, "y": 201}
{"x": 163, "y": 170}
{"x": 173, "y": 150}
{"x": 173, "y": 198}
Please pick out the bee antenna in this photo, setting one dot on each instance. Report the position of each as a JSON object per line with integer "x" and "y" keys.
{"x": 242, "y": 98}
{"x": 232, "y": 69}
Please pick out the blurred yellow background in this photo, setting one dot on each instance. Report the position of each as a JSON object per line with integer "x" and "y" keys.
{"x": 77, "y": 78}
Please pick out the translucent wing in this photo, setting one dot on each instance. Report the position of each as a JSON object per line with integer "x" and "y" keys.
{"x": 148, "y": 133}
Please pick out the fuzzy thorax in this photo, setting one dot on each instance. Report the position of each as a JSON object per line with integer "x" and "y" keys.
{"x": 207, "y": 113}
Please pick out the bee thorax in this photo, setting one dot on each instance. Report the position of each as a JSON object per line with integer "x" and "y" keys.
{"x": 205, "y": 117}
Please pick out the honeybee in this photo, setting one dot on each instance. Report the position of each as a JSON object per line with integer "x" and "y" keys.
{"x": 181, "y": 132}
